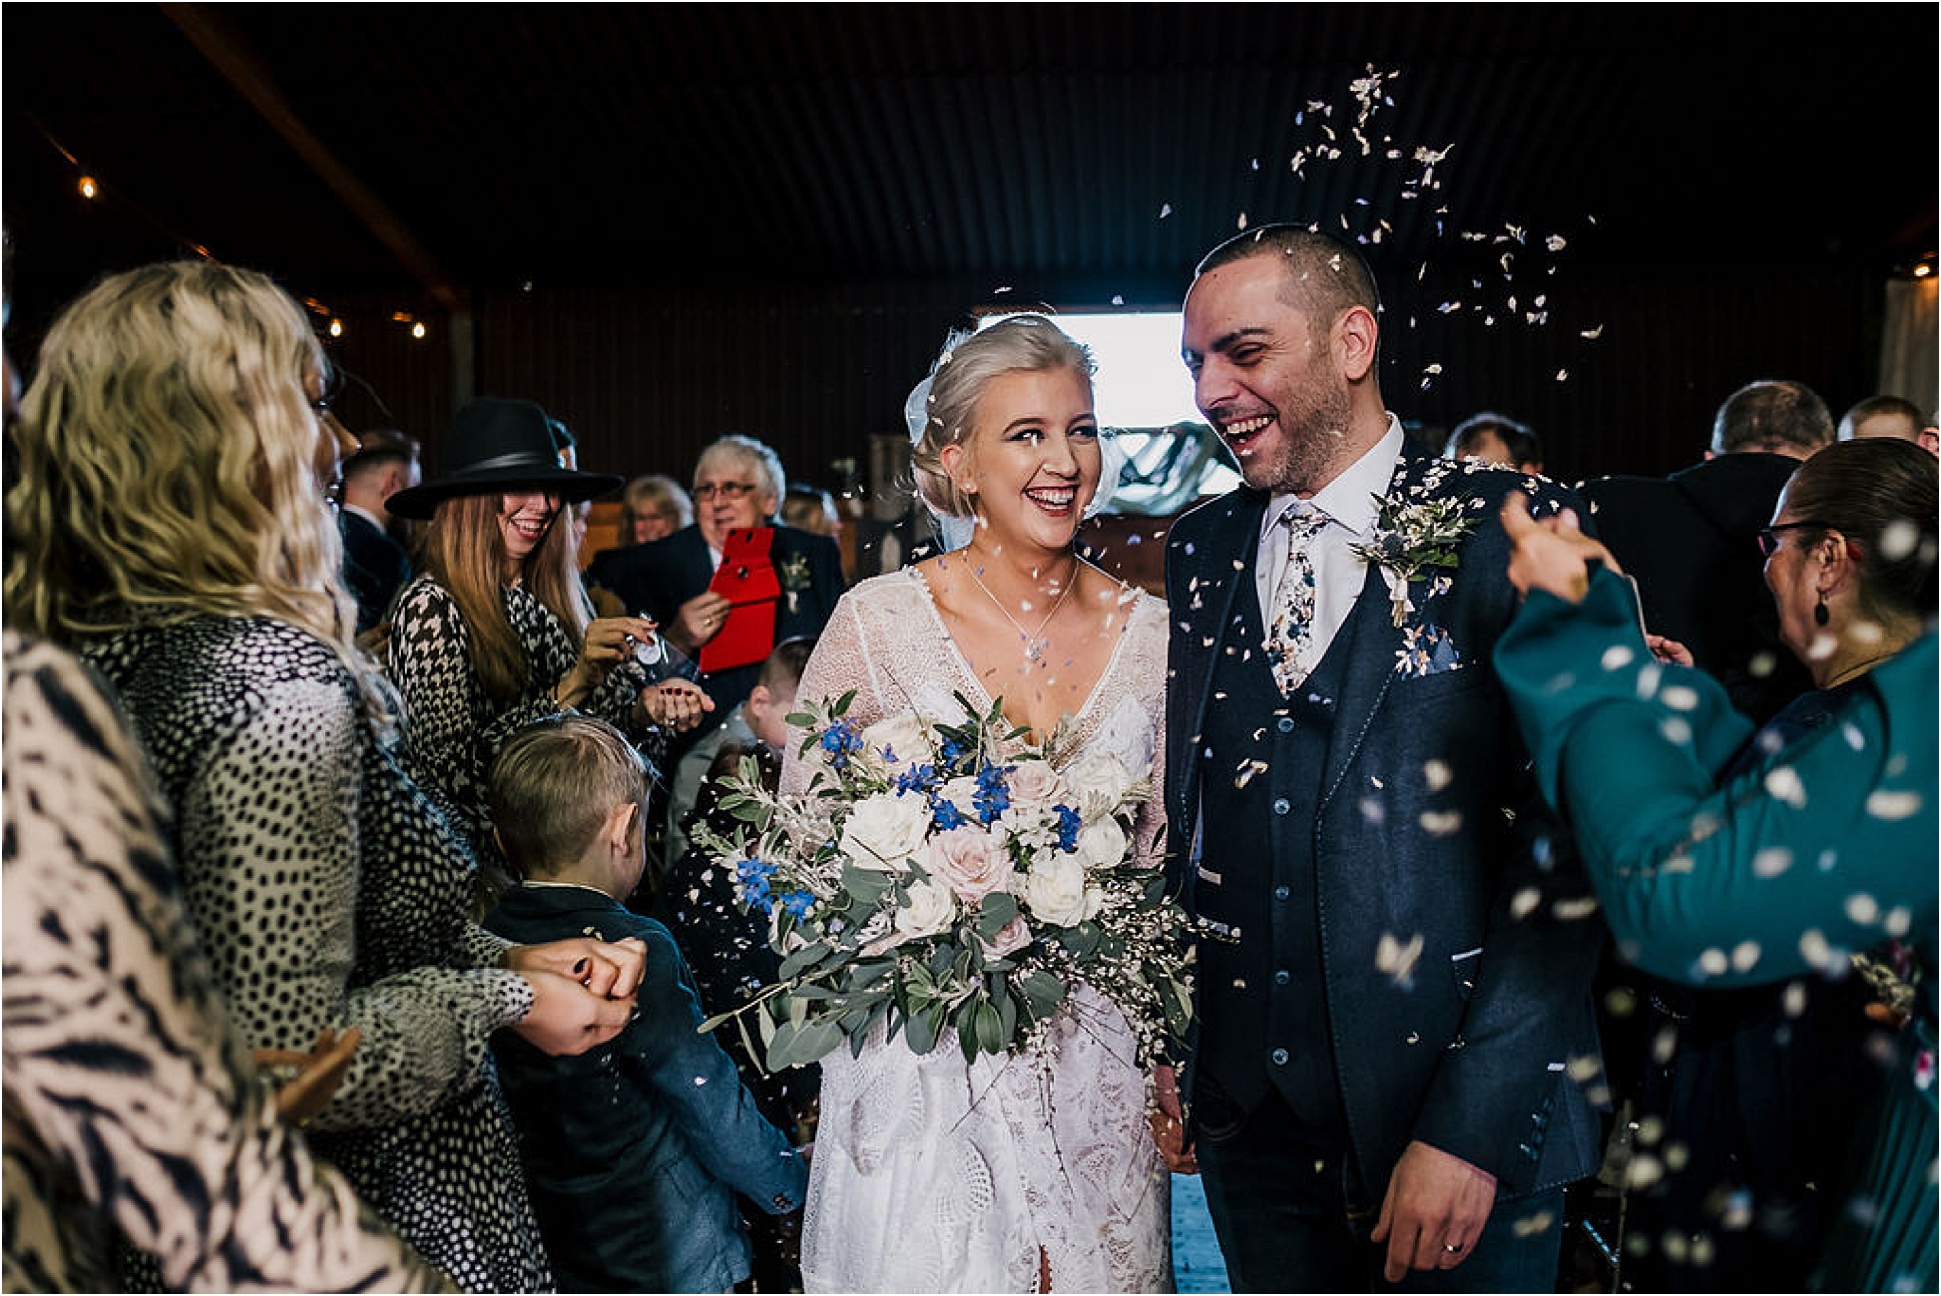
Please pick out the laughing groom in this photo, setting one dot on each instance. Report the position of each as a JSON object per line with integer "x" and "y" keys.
{"x": 1395, "y": 960}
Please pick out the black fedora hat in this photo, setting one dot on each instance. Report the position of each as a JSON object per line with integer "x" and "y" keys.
{"x": 495, "y": 444}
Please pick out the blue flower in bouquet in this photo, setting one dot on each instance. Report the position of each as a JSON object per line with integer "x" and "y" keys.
{"x": 1069, "y": 822}
{"x": 751, "y": 876}
{"x": 918, "y": 778}
{"x": 799, "y": 903}
{"x": 841, "y": 741}
{"x": 992, "y": 798}
{"x": 946, "y": 816}
{"x": 951, "y": 752}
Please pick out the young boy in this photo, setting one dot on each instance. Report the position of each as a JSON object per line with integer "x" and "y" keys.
{"x": 635, "y": 1150}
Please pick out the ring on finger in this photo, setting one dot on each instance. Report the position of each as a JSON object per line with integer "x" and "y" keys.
{"x": 1452, "y": 1248}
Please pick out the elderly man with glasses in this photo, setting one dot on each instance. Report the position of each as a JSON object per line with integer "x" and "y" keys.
{"x": 738, "y": 484}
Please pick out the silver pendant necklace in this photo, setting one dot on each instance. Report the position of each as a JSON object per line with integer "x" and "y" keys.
{"x": 1034, "y": 643}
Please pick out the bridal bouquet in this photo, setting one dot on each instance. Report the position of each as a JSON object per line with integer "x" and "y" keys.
{"x": 939, "y": 875}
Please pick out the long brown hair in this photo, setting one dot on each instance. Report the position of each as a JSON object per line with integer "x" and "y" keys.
{"x": 465, "y": 552}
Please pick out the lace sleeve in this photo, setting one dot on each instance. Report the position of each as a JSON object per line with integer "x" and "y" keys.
{"x": 274, "y": 884}
{"x": 843, "y": 660}
{"x": 159, "y": 1124}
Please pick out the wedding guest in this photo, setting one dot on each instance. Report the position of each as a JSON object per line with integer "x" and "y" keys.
{"x": 497, "y": 632}
{"x": 760, "y": 722}
{"x": 1497, "y": 440}
{"x": 651, "y": 508}
{"x": 636, "y": 1150}
{"x": 327, "y": 891}
{"x": 1890, "y": 416}
{"x": 1393, "y": 1010}
{"x": 738, "y": 483}
{"x": 812, "y": 509}
{"x": 376, "y": 565}
{"x": 132, "y": 1106}
{"x": 1689, "y": 540}
{"x": 728, "y": 943}
{"x": 1032, "y": 1171}
{"x": 1726, "y": 858}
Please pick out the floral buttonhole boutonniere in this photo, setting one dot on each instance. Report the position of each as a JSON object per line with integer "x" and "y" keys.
{"x": 1411, "y": 537}
{"x": 793, "y": 571}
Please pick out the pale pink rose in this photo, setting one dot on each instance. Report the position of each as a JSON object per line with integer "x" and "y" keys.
{"x": 1010, "y": 938}
{"x": 1035, "y": 782}
{"x": 969, "y": 861}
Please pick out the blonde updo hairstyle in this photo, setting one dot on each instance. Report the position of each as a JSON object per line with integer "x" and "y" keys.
{"x": 167, "y": 464}
{"x": 1029, "y": 343}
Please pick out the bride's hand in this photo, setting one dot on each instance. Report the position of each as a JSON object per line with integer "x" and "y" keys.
{"x": 1169, "y": 1125}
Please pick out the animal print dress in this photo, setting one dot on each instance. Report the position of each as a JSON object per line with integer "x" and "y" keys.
{"x": 329, "y": 892}
{"x": 130, "y": 1099}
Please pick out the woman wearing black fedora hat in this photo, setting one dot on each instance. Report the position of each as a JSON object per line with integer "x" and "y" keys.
{"x": 498, "y": 632}
{"x": 167, "y": 519}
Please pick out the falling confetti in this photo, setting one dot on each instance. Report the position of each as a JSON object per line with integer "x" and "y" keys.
{"x": 1397, "y": 958}
{"x": 1165, "y": 210}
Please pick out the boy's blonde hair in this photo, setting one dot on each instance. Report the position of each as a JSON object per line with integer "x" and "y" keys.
{"x": 552, "y": 786}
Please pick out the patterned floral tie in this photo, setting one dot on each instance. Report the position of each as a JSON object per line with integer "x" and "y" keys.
{"x": 1291, "y": 637}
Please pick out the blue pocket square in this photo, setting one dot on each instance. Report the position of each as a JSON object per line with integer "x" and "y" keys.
{"x": 1426, "y": 650}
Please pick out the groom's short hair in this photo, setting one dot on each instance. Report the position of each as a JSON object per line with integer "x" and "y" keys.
{"x": 1325, "y": 275}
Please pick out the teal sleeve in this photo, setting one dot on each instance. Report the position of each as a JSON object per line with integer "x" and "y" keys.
{"x": 1822, "y": 848}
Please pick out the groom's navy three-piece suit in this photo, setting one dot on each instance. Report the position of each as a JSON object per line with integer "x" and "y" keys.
{"x": 1392, "y": 947}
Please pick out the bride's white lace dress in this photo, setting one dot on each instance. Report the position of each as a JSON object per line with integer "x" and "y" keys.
{"x": 930, "y": 1175}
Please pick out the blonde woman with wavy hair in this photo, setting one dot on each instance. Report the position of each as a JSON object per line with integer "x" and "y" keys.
{"x": 169, "y": 521}
{"x": 498, "y": 632}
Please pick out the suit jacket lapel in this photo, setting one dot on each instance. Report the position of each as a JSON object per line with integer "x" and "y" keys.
{"x": 1373, "y": 644}
{"x": 1230, "y": 579}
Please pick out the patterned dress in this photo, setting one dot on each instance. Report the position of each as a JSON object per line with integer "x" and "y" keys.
{"x": 130, "y": 1099}
{"x": 454, "y": 728}
{"x": 329, "y": 892}
{"x": 931, "y": 1175}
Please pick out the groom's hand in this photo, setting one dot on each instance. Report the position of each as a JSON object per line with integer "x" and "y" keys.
{"x": 1435, "y": 1202}
{"x": 1169, "y": 1124}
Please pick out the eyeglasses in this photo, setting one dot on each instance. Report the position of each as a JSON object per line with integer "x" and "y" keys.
{"x": 1769, "y": 536}
{"x": 728, "y": 490}
{"x": 332, "y": 384}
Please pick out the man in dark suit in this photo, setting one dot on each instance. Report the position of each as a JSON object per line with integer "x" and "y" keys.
{"x": 376, "y": 566}
{"x": 1690, "y": 540}
{"x": 738, "y": 482}
{"x": 1394, "y": 1019}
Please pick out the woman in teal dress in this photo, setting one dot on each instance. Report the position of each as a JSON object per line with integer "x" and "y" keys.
{"x": 1726, "y": 858}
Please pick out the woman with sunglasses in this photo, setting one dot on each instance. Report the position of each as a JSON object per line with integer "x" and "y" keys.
{"x": 498, "y": 631}
{"x": 1728, "y": 859}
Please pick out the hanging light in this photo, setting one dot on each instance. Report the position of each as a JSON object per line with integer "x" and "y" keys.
{"x": 88, "y": 187}
{"x": 336, "y": 328}
{"x": 418, "y": 329}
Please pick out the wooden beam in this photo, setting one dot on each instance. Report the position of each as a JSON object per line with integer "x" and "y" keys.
{"x": 231, "y": 56}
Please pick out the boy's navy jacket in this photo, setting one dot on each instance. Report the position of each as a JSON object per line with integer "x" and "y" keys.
{"x": 634, "y": 1150}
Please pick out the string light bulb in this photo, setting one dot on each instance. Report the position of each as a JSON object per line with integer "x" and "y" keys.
{"x": 336, "y": 328}
{"x": 88, "y": 187}
{"x": 1923, "y": 270}
{"x": 418, "y": 330}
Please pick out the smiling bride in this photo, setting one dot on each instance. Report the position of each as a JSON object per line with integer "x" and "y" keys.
{"x": 1030, "y": 1170}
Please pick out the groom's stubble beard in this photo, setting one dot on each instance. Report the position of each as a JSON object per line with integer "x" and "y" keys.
{"x": 1313, "y": 445}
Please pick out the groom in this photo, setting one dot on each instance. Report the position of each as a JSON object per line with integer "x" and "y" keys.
{"x": 1394, "y": 1011}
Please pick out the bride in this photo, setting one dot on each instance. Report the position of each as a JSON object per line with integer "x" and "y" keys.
{"x": 1020, "y": 1172}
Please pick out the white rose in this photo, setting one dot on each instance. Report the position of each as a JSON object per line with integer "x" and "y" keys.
{"x": 884, "y": 830}
{"x": 904, "y": 735}
{"x": 1054, "y": 891}
{"x": 931, "y": 910}
{"x": 1100, "y": 781}
{"x": 1102, "y": 844}
{"x": 961, "y": 792}
{"x": 1035, "y": 782}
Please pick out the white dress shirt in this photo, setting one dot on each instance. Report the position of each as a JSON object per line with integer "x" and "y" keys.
{"x": 1349, "y": 502}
